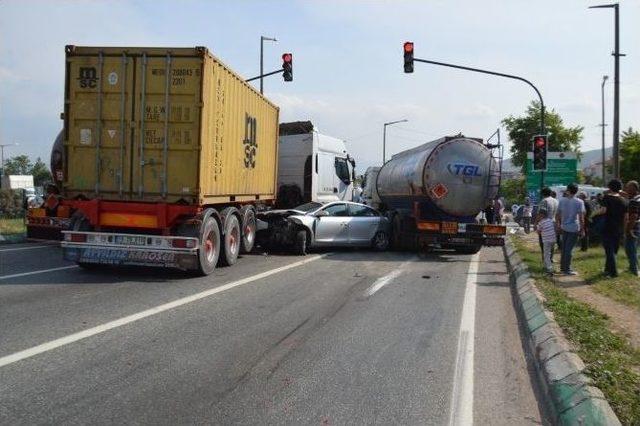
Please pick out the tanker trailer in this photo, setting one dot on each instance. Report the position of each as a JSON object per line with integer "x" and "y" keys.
{"x": 433, "y": 193}
{"x": 47, "y": 217}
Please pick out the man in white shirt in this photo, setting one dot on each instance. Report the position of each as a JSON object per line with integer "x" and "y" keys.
{"x": 549, "y": 204}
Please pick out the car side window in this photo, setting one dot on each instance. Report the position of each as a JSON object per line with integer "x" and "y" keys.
{"x": 337, "y": 210}
{"x": 362, "y": 211}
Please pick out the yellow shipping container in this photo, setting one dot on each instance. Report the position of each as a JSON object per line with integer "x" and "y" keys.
{"x": 217, "y": 144}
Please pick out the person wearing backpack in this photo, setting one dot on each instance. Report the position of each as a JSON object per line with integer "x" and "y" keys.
{"x": 632, "y": 234}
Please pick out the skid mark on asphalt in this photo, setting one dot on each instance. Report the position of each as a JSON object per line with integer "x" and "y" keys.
{"x": 63, "y": 341}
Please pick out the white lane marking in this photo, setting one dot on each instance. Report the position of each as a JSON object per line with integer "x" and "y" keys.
{"x": 28, "y": 248}
{"x": 41, "y": 271}
{"x": 462, "y": 394}
{"x": 382, "y": 281}
{"x": 62, "y": 341}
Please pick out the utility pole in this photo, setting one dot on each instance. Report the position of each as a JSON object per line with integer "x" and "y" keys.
{"x": 602, "y": 124}
{"x": 616, "y": 88}
{"x": 262, "y": 39}
{"x": 384, "y": 137}
{"x": 2, "y": 156}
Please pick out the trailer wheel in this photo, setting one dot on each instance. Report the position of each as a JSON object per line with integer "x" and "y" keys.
{"x": 248, "y": 231}
{"x": 80, "y": 223}
{"x": 380, "y": 241}
{"x": 209, "y": 250}
{"x": 232, "y": 240}
{"x": 300, "y": 244}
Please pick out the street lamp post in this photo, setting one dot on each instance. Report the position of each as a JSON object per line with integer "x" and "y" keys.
{"x": 262, "y": 39}
{"x": 616, "y": 88}
{"x": 602, "y": 124}
{"x": 2, "y": 156}
{"x": 384, "y": 137}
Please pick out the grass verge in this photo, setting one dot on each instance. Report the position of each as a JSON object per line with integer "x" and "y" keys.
{"x": 610, "y": 361}
{"x": 624, "y": 289}
{"x": 12, "y": 226}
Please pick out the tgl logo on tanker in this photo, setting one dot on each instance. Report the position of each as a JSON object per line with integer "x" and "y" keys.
{"x": 88, "y": 77}
{"x": 464, "y": 169}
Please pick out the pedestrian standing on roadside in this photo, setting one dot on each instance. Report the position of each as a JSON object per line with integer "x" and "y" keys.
{"x": 527, "y": 209}
{"x": 489, "y": 213}
{"x": 498, "y": 209}
{"x": 632, "y": 235}
{"x": 584, "y": 241}
{"x": 549, "y": 204}
{"x": 546, "y": 228}
{"x": 615, "y": 219}
{"x": 554, "y": 195}
{"x": 570, "y": 221}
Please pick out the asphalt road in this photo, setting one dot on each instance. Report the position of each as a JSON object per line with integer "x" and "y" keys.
{"x": 348, "y": 337}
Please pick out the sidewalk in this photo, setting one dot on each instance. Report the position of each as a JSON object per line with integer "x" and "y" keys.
{"x": 625, "y": 317}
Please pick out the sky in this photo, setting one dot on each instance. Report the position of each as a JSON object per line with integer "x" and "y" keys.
{"x": 347, "y": 62}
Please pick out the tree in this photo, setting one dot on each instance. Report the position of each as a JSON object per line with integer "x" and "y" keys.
{"x": 22, "y": 165}
{"x": 521, "y": 129}
{"x": 513, "y": 190}
{"x": 18, "y": 165}
{"x": 630, "y": 155}
{"x": 40, "y": 172}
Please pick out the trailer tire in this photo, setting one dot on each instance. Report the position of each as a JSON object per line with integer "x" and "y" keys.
{"x": 249, "y": 227}
{"x": 79, "y": 222}
{"x": 300, "y": 244}
{"x": 468, "y": 249}
{"x": 232, "y": 240}
{"x": 209, "y": 250}
{"x": 396, "y": 242}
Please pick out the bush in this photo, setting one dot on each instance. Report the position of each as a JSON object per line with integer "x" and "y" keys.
{"x": 11, "y": 204}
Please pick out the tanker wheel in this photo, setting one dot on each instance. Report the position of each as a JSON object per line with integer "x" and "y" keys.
{"x": 209, "y": 249}
{"x": 232, "y": 241}
{"x": 248, "y": 231}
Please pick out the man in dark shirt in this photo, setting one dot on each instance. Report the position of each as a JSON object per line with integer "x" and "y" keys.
{"x": 632, "y": 235}
{"x": 615, "y": 218}
{"x": 584, "y": 241}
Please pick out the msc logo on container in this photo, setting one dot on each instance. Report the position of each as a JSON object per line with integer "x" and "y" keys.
{"x": 464, "y": 169}
{"x": 88, "y": 77}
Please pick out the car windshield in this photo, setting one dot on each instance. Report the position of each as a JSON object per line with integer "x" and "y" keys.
{"x": 307, "y": 207}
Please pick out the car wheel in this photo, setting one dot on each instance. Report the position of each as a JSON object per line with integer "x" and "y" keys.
{"x": 300, "y": 245}
{"x": 380, "y": 241}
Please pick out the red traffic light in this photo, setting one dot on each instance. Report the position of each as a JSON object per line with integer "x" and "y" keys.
{"x": 287, "y": 57}
{"x": 408, "y": 46}
{"x": 539, "y": 142}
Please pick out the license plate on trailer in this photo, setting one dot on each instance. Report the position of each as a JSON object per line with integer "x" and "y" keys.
{"x": 131, "y": 240}
{"x": 449, "y": 227}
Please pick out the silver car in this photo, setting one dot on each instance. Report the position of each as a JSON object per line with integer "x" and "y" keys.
{"x": 338, "y": 224}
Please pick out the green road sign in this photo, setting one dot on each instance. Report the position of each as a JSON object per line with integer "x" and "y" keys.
{"x": 562, "y": 169}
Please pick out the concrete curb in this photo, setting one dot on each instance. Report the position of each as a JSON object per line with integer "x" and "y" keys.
{"x": 570, "y": 395}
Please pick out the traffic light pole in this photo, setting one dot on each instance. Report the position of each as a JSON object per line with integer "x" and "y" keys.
{"x": 265, "y": 75}
{"x": 499, "y": 74}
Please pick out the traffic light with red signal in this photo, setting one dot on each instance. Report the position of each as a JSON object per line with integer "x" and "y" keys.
{"x": 540, "y": 149}
{"x": 287, "y": 66}
{"x": 408, "y": 57}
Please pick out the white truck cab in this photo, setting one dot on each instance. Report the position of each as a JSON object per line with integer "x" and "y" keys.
{"x": 312, "y": 166}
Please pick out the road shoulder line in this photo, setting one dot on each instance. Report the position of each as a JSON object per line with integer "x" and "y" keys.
{"x": 462, "y": 392}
